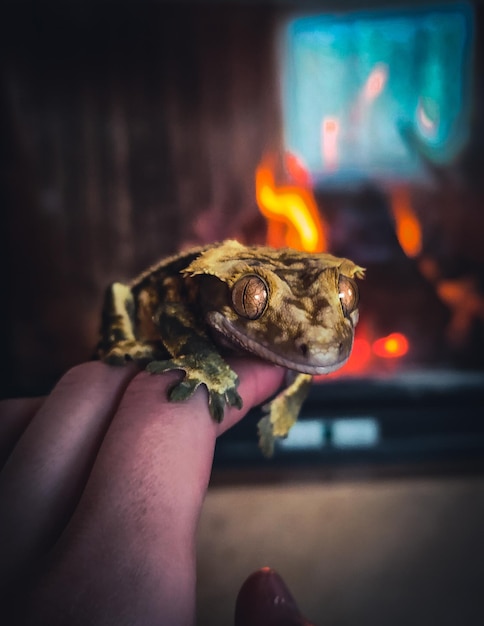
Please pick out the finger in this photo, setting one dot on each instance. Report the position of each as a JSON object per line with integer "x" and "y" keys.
{"x": 46, "y": 471}
{"x": 15, "y": 415}
{"x": 258, "y": 382}
{"x": 265, "y": 600}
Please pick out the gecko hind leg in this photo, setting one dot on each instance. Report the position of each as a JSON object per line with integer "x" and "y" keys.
{"x": 118, "y": 343}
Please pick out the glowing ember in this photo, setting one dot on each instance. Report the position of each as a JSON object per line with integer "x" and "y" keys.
{"x": 391, "y": 347}
{"x": 407, "y": 226}
{"x": 291, "y": 211}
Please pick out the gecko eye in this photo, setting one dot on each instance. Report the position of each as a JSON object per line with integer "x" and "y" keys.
{"x": 249, "y": 296}
{"x": 348, "y": 295}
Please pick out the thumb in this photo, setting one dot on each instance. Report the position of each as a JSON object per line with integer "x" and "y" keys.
{"x": 265, "y": 600}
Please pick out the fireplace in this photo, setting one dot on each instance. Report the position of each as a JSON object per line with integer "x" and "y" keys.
{"x": 131, "y": 135}
{"x": 377, "y": 179}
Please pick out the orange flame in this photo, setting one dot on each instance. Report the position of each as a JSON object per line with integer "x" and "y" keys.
{"x": 393, "y": 346}
{"x": 292, "y": 215}
{"x": 408, "y": 229}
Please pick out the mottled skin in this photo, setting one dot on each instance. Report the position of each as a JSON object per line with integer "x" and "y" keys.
{"x": 295, "y": 309}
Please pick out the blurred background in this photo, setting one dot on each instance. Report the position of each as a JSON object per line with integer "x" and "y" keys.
{"x": 130, "y": 131}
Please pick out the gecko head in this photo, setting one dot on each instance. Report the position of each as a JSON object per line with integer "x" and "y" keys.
{"x": 284, "y": 306}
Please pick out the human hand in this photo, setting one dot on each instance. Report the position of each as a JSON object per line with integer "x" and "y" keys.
{"x": 102, "y": 494}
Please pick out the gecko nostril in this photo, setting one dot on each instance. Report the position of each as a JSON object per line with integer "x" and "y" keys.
{"x": 304, "y": 349}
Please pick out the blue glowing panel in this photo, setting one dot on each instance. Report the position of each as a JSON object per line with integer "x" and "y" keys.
{"x": 358, "y": 86}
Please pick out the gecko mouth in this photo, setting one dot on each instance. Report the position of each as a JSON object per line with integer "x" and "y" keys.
{"x": 238, "y": 339}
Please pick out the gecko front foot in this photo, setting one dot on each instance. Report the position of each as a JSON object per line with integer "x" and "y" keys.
{"x": 282, "y": 413}
{"x": 209, "y": 370}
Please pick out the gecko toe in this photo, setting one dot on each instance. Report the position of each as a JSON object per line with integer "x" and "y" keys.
{"x": 266, "y": 436}
{"x": 159, "y": 367}
{"x": 183, "y": 391}
{"x": 233, "y": 398}
{"x": 216, "y": 404}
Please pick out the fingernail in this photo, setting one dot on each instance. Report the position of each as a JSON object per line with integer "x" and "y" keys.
{"x": 265, "y": 600}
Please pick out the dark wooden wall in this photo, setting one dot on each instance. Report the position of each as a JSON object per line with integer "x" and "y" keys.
{"x": 127, "y": 132}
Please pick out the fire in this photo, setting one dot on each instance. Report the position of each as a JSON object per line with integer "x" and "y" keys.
{"x": 293, "y": 220}
{"x": 297, "y": 171}
{"x": 408, "y": 229}
{"x": 392, "y": 346}
{"x": 291, "y": 210}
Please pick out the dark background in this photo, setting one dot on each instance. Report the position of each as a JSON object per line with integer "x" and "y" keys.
{"x": 128, "y": 131}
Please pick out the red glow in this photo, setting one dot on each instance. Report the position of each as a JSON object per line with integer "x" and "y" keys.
{"x": 357, "y": 363}
{"x": 360, "y": 356}
{"x": 297, "y": 170}
{"x": 393, "y": 346}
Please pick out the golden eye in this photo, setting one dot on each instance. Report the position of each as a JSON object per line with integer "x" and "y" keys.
{"x": 348, "y": 295}
{"x": 249, "y": 296}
